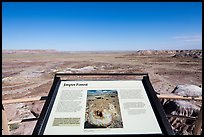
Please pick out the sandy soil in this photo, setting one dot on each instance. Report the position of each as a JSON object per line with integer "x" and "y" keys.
{"x": 30, "y": 73}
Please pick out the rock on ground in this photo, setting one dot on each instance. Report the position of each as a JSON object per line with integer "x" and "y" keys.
{"x": 183, "y": 126}
{"x": 188, "y": 90}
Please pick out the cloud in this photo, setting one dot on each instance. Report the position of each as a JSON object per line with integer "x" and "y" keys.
{"x": 195, "y": 38}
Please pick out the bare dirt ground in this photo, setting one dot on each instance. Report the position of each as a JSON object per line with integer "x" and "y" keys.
{"x": 30, "y": 73}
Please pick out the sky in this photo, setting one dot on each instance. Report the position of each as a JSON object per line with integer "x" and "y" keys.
{"x": 100, "y": 91}
{"x": 102, "y": 26}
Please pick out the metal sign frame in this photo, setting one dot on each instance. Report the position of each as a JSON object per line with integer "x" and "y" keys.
{"x": 154, "y": 101}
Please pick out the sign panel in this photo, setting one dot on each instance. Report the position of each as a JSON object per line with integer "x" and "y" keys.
{"x": 97, "y": 107}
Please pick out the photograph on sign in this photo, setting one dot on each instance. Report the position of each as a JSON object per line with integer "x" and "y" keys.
{"x": 103, "y": 109}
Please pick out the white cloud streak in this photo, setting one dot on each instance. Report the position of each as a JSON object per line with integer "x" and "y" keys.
{"x": 195, "y": 38}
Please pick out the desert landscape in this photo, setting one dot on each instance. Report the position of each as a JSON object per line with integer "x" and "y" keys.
{"x": 30, "y": 73}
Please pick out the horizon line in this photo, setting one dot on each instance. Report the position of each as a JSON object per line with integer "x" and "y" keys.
{"x": 94, "y": 50}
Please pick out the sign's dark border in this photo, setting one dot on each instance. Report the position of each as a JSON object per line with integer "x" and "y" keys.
{"x": 156, "y": 105}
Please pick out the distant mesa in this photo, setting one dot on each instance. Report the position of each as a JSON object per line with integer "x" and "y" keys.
{"x": 188, "y": 53}
{"x": 168, "y": 53}
{"x": 176, "y": 53}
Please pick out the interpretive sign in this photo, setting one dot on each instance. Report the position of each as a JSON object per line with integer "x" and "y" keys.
{"x": 101, "y": 107}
